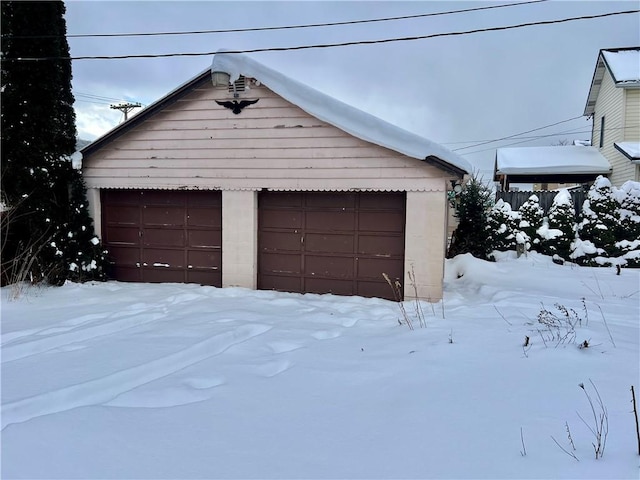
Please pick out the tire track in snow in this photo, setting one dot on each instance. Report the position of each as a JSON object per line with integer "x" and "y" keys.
{"x": 102, "y": 390}
{"x": 79, "y": 334}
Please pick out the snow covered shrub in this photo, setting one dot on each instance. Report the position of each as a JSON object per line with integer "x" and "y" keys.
{"x": 599, "y": 226}
{"x": 531, "y": 215}
{"x": 558, "y": 228}
{"x": 503, "y": 223}
{"x": 472, "y": 233}
{"x": 628, "y": 238}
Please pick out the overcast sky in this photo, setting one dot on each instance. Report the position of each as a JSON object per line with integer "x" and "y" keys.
{"x": 453, "y": 89}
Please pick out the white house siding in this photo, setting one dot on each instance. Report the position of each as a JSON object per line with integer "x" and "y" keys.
{"x": 614, "y": 103}
{"x": 632, "y": 126}
{"x": 197, "y": 144}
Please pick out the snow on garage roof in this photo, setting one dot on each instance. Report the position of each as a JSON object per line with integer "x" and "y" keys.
{"x": 624, "y": 65}
{"x": 551, "y": 160}
{"x": 339, "y": 114}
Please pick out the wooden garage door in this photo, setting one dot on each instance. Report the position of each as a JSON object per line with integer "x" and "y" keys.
{"x": 325, "y": 242}
{"x": 163, "y": 235}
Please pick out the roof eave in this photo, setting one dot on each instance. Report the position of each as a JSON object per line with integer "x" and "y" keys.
{"x": 446, "y": 166}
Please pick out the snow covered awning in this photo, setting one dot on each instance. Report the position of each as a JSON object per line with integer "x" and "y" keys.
{"x": 339, "y": 114}
{"x": 559, "y": 164}
{"x": 631, "y": 150}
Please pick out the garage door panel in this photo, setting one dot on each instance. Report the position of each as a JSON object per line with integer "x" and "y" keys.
{"x": 281, "y": 241}
{"x": 160, "y": 275}
{"x": 154, "y": 224}
{"x": 163, "y": 258}
{"x": 199, "y": 217}
{"x": 122, "y": 215}
{"x": 374, "y": 289}
{"x": 382, "y": 201}
{"x": 126, "y": 273}
{"x": 380, "y": 245}
{"x": 280, "y": 263}
{"x": 204, "y": 239}
{"x": 336, "y": 243}
{"x": 373, "y": 268}
{"x": 164, "y": 237}
{"x": 281, "y": 283}
{"x": 120, "y": 197}
{"x": 213, "y": 278}
{"x": 124, "y": 255}
{"x": 349, "y": 240}
{"x": 204, "y": 260}
{"x": 280, "y": 219}
{"x": 204, "y": 198}
{"x": 330, "y": 221}
{"x": 325, "y": 285}
{"x": 328, "y": 266}
{"x": 123, "y": 235}
{"x": 381, "y": 221}
{"x": 163, "y": 216}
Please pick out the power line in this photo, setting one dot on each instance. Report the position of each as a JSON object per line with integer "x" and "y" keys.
{"x": 517, "y": 134}
{"x": 331, "y": 45}
{"x": 546, "y": 136}
{"x": 284, "y": 27}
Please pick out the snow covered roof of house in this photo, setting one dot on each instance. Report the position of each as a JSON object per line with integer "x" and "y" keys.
{"x": 623, "y": 65}
{"x": 322, "y": 106}
{"x": 557, "y": 160}
{"x": 631, "y": 150}
{"x": 339, "y": 114}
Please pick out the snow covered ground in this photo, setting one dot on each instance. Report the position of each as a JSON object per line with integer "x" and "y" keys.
{"x": 119, "y": 380}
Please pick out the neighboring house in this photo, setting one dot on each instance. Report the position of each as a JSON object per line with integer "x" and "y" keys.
{"x": 245, "y": 177}
{"x": 567, "y": 164}
{"x": 614, "y": 105}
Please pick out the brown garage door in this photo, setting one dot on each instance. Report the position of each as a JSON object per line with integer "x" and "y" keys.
{"x": 163, "y": 235}
{"x": 325, "y": 242}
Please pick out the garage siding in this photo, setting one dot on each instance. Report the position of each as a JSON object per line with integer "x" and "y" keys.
{"x": 327, "y": 242}
{"x": 163, "y": 236}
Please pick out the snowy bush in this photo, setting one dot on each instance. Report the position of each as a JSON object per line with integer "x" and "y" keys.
{"x": 600, "y": 226}
{"x": 531, "y": 215}
{"x": 559, "y": 226}
{"x": 628, "y": 237}
{"x": 503, "y": 223}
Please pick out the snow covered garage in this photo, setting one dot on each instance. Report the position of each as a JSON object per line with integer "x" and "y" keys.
{"x": 245, "y": 177}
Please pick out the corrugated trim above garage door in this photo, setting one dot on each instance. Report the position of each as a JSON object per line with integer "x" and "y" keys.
{"x": 327, "y": 242}
{"x": 163, "y": 235}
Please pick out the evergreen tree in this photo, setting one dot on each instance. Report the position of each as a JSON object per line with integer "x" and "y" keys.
{"x": 502, "y": 223}
{"x": 600, "y": 220}
{"x": 560, "y": 226}
{"x": 531, "y": 215}
{"x": 44, "y": 194}
{"x": 472, "y": 233}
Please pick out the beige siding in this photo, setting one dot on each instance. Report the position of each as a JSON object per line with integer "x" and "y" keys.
{"x": 425, "y": 245}
{"x": 617, "y": 106}
{"x": 195, "y": 143}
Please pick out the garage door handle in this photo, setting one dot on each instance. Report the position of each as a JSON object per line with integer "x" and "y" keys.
{"x": 302, "y": 240}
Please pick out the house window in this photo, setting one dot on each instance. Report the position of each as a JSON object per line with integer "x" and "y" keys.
{"x": 602, "y": 131}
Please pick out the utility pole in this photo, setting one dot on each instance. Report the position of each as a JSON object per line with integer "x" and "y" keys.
{"x": 125, "y": 108}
